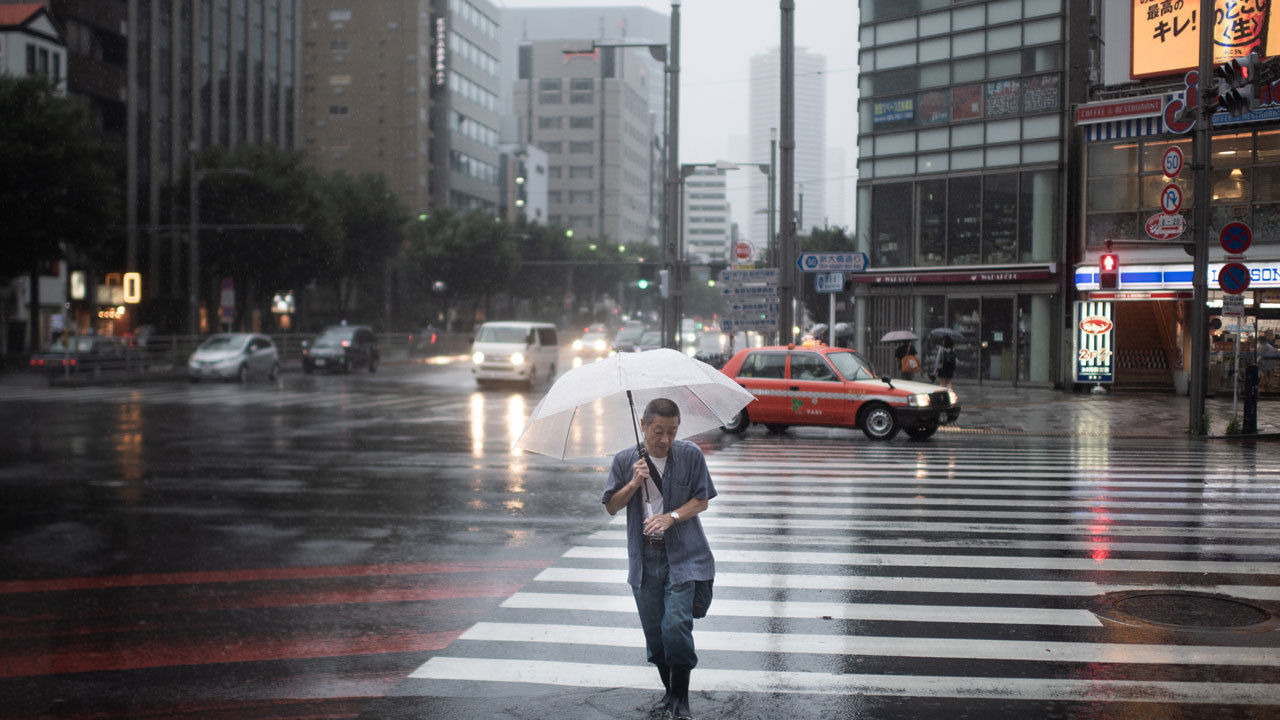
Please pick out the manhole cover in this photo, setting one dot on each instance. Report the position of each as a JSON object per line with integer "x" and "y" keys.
{"x": 1194, "y": 611}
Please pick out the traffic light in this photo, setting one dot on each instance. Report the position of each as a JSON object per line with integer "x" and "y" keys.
{"x": 1238, "y": 83}
{"x": 642, "y": 284}
{"x": 664, "y": 286}
{"x": 1108, "y": 272}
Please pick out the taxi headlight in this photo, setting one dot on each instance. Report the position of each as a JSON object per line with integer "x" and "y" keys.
{"x": 918, "y": 400}
{"x": 953, "y": 397}
{"x": 577, "y": 345}
{"x": 477, "y": 357}
{"x": 517, "y": 358}
{"x": 599, "y": 346}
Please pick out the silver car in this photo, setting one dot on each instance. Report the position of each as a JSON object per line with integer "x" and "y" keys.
{"x": 234, "y": 356}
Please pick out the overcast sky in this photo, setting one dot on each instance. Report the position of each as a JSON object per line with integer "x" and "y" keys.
{"x": 718, "y": 37}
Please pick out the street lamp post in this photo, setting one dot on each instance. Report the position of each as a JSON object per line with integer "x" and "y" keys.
{"x": 193, "y": 264}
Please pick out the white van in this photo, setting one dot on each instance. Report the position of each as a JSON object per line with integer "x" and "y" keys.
{"x": 513, "y": 350}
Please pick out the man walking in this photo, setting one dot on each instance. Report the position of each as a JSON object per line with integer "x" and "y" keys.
{"x": 664, "y": 484}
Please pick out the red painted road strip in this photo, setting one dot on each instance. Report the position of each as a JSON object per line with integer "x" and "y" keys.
{"x": 88, "y": 657}
{"x": 251, "y": 575}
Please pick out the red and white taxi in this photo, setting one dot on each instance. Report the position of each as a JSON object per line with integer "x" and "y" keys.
{"x": 834, "y": 387}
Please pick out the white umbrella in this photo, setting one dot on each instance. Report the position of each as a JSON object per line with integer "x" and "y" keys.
{"x": 592, "y": 411}
{"x": 898, "y": 335}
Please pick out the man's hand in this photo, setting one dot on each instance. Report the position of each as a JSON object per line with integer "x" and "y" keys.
{"x": 658, "y": 524}
{"x": 639, "y": 473}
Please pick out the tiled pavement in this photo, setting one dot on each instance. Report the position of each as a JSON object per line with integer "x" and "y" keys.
{"x": 1037, "y": 411}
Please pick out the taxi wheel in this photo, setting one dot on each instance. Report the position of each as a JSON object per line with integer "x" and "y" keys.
{"x": 879, "y": 423}
{"x": 776, "y": 427}
{"x": 738, "y": 424}
{"x": 922, "y": 433}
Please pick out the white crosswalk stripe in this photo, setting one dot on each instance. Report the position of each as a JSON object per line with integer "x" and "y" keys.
{"x": 944, "y": 570}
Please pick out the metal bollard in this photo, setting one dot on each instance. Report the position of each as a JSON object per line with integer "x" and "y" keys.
{"x": 1250, "y": 424}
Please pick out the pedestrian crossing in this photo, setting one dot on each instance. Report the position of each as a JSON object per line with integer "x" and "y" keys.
{"x": 965, "y": 570}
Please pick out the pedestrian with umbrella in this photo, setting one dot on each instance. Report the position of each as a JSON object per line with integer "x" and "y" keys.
{"x": 661, "y": 480}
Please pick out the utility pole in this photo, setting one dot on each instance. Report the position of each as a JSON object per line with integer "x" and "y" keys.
{"x": 671, "y": 256}
{"x": 786, "y": 241}
{"x": 1199, "y": 380}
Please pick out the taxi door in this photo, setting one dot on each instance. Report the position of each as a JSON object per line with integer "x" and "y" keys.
{"x": 819, "y": 396}
{"x": 763, "y": 374}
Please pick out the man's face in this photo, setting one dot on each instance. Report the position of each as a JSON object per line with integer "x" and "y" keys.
{"x": 659, "y": 433}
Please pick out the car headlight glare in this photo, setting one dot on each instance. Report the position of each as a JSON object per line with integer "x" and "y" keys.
{"x": 517, "y": 358}
{"x": 599, "y": 346}
{"x": 477, "y": 358}
{"x": 577, "y": 344}
{"x": 918, "y": 400}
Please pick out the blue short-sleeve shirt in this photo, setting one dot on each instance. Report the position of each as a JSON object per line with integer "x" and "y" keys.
{"x": 685, "y": 477}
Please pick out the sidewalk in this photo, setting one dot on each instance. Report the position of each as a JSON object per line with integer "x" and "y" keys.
{"x": 1037, "y": 411}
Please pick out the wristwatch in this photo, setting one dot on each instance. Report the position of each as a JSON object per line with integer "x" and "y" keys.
{"x": 675, "y": 516}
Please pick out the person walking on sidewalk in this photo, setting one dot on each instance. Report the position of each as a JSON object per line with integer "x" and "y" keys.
{"x": 944, "y": 363}
{"x": 908, "y": 361}
{"x": 664, "y": 483}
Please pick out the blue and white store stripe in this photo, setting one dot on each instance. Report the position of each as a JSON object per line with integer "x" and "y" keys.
{"x": 923, "y": 574}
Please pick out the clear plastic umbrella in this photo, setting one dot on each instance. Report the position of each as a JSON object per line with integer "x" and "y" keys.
{"x": 898, "y": 336}
{"x": 593, "y": 411}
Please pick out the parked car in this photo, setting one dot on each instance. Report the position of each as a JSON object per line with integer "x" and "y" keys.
{"x": 514, "y": 350}
{"x": 234, "y": 356}
{"x": 78, "y": 355}
{"x": 343, "y": 348}
{"x": 628, "y": 335}
{"x": 834, "y": 387}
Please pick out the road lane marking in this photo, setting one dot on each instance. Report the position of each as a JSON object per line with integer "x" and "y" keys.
{"x": 1002, "y": 562}
{"x": 759, "y": 681}
{"x": 841, "y": 611}
{"x": 891, "y": 646}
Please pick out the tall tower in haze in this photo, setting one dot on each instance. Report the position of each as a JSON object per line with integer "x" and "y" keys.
{"x": 811, "y": 137}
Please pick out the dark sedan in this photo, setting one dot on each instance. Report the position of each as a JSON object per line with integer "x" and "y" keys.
{"x": 87, "y": 356}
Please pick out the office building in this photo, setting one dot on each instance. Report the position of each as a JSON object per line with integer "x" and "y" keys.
{"x": 810, "y": 135}
{"x": 408, "y": 89}
{"x": 706, "y": 227}
{"x": 589, "y": 111}
{"x": 965, "y": 192}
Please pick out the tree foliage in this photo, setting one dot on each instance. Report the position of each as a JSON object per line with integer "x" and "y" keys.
{"x": 372, "y": 222}
{"x": 58, "y": 187}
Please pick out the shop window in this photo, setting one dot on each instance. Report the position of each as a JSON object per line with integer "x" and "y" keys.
{"x": 1268, "y": 146}
{"x": 964, "y": 231}
{"x": 1113, "y": 158}
{"x": 892, "y": 231}
{"x": 1266, "y": 183}
{"x": 931, "y": 201}
{"x": 1000, "y": 219}
{"x": 1231, "y": 185}
{"x": 1266, "y": 220}
{"x": 1236, "y": 148}
{"x": 964, "y": 317}
{"x": 1109, "y": 226}
{"x": 1119, "y": 193}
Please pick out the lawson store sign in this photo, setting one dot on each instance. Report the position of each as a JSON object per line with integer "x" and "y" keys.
{"x": 1262, "y": 274}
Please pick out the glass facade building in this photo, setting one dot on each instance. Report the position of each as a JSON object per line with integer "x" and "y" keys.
{"x": 963, "y": 177}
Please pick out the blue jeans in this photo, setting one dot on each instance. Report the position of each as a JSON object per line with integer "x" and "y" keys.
{"x": 666, "y": 612}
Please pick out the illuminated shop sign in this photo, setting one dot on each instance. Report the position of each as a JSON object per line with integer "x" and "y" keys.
{"x": 1094, "y": 342}
{"x": 1166, "y": 33}
{"x": 441, "y": 50}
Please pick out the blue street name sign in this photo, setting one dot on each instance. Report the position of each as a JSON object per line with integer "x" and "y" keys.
{"x": 829, "y": 283}
{"x": 829, "y": 262}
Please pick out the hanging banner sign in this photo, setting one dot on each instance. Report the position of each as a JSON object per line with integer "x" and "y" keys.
{"x": 1093, "y": 341}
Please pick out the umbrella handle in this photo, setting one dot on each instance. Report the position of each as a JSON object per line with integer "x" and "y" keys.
{"x": 631, "y": 401}
{"x": 653, "y": 471}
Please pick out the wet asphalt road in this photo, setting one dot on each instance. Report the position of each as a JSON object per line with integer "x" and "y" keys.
{"x": 301, "y": 549}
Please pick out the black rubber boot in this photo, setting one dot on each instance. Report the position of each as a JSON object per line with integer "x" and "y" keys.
{"x": 663, "y": 706}
{"x": 680, "y": 693}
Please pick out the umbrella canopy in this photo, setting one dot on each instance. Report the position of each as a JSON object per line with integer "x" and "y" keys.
{"x": 941, "y": 332}
{"x": 593, "y": 411}
{"x": 898, "y": 336}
